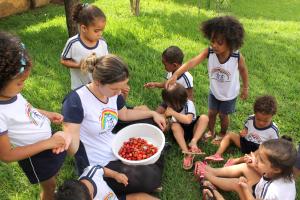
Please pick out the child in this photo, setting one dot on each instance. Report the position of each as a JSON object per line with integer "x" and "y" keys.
{"x": 225, "y": 64}
{"x": 25, "y": 132}
{"x": 258, "y": 128}
{"x": 91, "y": 23}
{"x": 269, "y": 172}
{"x": 172, "y": 59}
{"x": 186, "y": 125}
{"x": 92, "y": 186}
{"x": 275, "y": 161}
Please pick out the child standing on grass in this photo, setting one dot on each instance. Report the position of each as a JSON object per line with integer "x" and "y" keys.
{"x": 225, "y": 65}
{"x": 172, "y": 59}
{"x": 91, "y": 185}
{"x": 186, "y": 126}
{"x": 91, "y": 23}
{"x": 25, "y": 132}
{"x": 258, "y": 128}
{"x": 268, "y": 174}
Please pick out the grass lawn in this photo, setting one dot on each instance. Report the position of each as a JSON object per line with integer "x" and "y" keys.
{"x": 271, "y": 50}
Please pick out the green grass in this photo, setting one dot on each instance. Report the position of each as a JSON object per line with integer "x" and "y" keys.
{"x": 271, "y": 50}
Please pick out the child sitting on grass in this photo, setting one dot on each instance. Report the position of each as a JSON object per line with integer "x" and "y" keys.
{"x": 257, "y": 129}
{"x": 186, "y": 124}
{"x": 267, "y": 174}
{"x": 172, "y": 59}
{"x": 92, "y": 186}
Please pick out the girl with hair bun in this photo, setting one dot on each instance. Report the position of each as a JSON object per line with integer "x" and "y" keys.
{"x": 91, "y": 23}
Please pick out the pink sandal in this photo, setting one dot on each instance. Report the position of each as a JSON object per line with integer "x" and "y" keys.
{"x": 188, "y": 162}
{"x": 199, "y": 170}
{"x": 229, "y": 163}
{"x": 214, "y": 158}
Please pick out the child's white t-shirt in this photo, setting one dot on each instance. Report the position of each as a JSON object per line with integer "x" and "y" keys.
{"x": 189, "y": 108}
{"x": 24, "y": 124}
{"x": 94, "y": 174}
{"x": 76, "y": 50}
{"x": 97, "y": 119}
{"x": 259, "y": 135}
{"x": 186, "y": 79}
{"x": 279, "y": 189}
{"x": 224, "y": 77}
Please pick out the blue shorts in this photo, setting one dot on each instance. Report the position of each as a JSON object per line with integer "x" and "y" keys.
{"x": 42, "y": 166}
{"x": 224, "y": 107}
{"x": 247, "y": 146}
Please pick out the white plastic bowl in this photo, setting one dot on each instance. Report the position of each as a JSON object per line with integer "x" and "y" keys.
{"x": 150, "y": 133}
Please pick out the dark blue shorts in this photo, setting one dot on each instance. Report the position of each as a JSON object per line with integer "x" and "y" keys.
{"x": 188, "y": 129}
{"x": 42, "y": 166}
{"x": 224, "y": 107}
{"x": 247, "y": 146}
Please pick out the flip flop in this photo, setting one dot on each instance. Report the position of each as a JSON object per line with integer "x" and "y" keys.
{"x": 194, "y": 151}
{"x": 199, "y": 170}
{"x": 214, "y": 158}
{"x": 229, "y": 163}
{"x": 188, "y": 159}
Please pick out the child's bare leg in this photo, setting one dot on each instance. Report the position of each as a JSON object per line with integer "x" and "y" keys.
{"x": 212, "y": 115}
{"x": 48, "y": 188}
{"x": 178, "y": 133}
{"x": 226, "y": 184}
{"x": 230, "y": 137}
{"x": 199, "y": 129}
{"x": 224, "y": 118}
{"x": 140, "y": 196}
{"x": 160, "y": 110}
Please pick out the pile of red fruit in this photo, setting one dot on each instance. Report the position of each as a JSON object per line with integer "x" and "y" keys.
{"x": 137, "y": 149}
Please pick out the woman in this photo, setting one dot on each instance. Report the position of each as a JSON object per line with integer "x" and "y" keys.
{"x": 90, "y": 114}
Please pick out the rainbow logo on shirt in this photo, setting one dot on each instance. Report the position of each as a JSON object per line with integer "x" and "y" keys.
{"x": 108, "y": 118}
{"x": 110, "y": 196}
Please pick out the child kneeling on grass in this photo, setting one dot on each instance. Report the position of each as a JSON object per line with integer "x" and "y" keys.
{"x": 258, "y": 128}
{"x": 25, "y": 132}
{"x": 92, "y": 186}
{"x": 268, "y": 174}
{"x": 185, "y": 124}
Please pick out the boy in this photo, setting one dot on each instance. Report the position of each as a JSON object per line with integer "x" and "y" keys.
{"x": 258, "y": 128}
{"x": 92, "y": 186}
{"x": 172, "y": 59}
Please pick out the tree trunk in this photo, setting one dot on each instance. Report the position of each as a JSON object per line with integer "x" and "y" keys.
{"x": 135, "y": 7}
{"x": 72, "y": 26}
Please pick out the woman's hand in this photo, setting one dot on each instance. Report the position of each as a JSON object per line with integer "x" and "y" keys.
{"x": 121, "y": 178}
{"x": 159, "y": 120}
{"x": 57, "y": 141}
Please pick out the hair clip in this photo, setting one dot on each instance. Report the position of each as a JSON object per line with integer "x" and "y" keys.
{"x": 22, "y": 60}
{"x": 85, "y": 5}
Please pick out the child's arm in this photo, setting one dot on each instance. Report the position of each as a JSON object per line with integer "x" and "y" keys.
{"x": 119, "y": 177}
{"x": 69, "y": 63}
{"x": 244, "y": 75}
{"x": 182, "y": 118}
{"x": 245, "y": 189}
{"x": 72, "y": 137}
{"x": 53, "y": 116}
{"x": 190, "y": 93}
{"x": 187, "y": 66}
{"x": 155, "y": 85}
{"x": 10, "y": 154}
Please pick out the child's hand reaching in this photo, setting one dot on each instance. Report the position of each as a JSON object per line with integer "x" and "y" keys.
{"x": 150, "y": 85}
{"x": 171, "y": 81}
{"x": 121, "y": 178}
{"x": 55, "y": 118}
{"x": 67, "y": 141}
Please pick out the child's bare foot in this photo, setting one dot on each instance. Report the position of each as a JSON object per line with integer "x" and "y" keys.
{"x": 194, "y": 147}
{"x": 208, "y": 135}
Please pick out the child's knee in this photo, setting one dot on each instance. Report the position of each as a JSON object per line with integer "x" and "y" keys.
{"x": 203, "y": 119}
